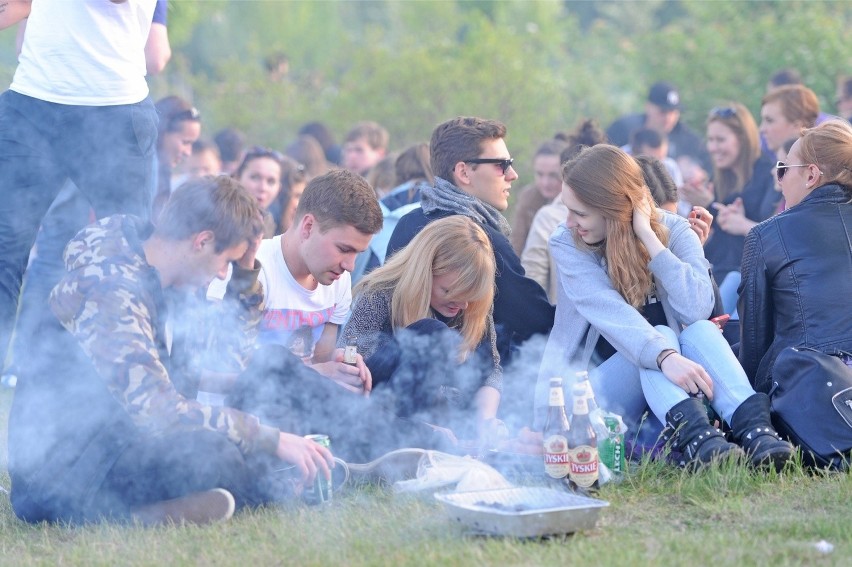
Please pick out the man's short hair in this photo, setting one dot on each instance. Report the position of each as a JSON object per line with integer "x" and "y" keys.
{"x": 215, "y": 203}
{"x": 341, "y": 198}
{"x": 375, "y": 134}
{"x": 460, "y": 139}
{"x": 787, "y": 76}
{"x": 646, "y": 137}
{"x": 231, "y": 143}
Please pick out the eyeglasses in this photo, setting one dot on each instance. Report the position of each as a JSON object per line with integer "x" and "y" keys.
{"x": 723, "y": 112}
{"x": 781, "y": 168}
{"x": 504, "y": 163}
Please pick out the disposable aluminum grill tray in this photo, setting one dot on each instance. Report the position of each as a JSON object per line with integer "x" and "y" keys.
{"x": 522, "y": 511}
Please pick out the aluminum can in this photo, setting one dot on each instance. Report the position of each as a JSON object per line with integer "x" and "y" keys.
{"x": 321, "y": 491}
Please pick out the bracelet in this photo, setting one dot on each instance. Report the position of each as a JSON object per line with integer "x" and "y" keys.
{"x": 664, "y": 355}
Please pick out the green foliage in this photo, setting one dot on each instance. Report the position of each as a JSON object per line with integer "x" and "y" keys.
{"x": 538, "y": 65}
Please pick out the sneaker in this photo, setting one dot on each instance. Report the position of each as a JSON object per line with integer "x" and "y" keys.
{"x": 199, "y": 508}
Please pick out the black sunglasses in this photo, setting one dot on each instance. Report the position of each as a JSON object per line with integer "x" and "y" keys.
{"x": 781, "y": 168}
{"x": 504, "y": 163}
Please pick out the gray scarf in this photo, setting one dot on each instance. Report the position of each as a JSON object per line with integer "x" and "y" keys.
{"x": 445, "y": 196}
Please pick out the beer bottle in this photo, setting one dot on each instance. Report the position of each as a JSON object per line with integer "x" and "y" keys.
{"x": 595, "y": 412}
{"x": 555, "y": 433}
{"x": 350, "y": 352}
{"x": 582, "y": 445}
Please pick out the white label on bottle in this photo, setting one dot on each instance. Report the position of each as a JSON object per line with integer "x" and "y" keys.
{"x": 557, "y": 397}
{"x": 583, "y": 465}
{"x": 556, "y": 463}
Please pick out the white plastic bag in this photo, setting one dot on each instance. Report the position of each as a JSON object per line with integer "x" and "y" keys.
{"x": 438, "y": 470}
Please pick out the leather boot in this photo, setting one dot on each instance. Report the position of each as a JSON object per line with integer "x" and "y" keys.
{"x": 753, "y": 430}
{"x": 688, "y": 431}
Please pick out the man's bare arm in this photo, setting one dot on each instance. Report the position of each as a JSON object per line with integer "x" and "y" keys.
{"x": 13, "y": 11}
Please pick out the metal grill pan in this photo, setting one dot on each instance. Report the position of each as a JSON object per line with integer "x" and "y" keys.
{"x": 522, "y": 511}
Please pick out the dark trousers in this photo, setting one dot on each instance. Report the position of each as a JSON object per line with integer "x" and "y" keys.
{"x": 155, "y": 469}
{"x": 284, "y": 393}
{"x": 419, "y": 369}
{"x": 106, "y": 151}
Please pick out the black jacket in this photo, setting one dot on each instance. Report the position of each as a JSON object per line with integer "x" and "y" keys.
{"x": 521, "y": 308}
{"x": 683, "y": 140}
{"x": 724, "y": 251}
{"x": 797, "y": 282}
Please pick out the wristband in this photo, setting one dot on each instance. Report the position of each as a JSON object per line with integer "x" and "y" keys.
{"x": 664, "y": 355}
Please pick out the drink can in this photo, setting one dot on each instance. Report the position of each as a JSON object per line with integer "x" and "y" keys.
{"x": 321, "y": 491}
{"x": 611, "y": 448}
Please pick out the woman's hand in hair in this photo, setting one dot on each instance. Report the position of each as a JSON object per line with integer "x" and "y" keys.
{"x": 642, "y": 227}
{"x": 687, "y": 375}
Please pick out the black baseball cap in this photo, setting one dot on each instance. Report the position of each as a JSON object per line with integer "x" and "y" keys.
{"x": 664, "y": 95}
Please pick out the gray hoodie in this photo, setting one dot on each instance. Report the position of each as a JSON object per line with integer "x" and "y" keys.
{"x": 589, "y": 306}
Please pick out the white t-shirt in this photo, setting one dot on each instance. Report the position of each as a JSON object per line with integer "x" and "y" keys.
{"x": 294, "y": 316}
{"x": 85, "y": 52}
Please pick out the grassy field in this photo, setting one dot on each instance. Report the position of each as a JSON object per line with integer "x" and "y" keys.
{"x": 658, "y": 515}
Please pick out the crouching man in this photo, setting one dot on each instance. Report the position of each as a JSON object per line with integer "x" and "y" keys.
{"x": 98, "y": 429}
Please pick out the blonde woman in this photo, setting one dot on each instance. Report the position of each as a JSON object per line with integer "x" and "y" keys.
{"x": 634, "y": 298}
{"x": 424, "y": 326}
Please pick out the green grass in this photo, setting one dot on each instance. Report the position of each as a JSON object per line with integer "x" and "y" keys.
{"x": 658, "y": 515}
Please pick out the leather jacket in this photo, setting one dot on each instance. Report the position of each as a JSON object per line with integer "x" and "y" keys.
{"x": 797, "y": 282}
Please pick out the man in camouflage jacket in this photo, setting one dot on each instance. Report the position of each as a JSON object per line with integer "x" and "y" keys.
{"x": 99, "y": 429}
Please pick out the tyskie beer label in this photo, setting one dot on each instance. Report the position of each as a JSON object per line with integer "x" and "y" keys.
{"x": 583, "y": 465}
{"x": 556, "y": 462}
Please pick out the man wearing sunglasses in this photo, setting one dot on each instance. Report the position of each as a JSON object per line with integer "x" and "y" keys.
{"x": 473, "y": 177}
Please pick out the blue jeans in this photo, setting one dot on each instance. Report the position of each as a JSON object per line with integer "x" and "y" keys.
{"x": 107, "y": 151}
{"x": 728, "y": 291}
{"x": 69, "y": 213}
{"x": 623, "y": 388}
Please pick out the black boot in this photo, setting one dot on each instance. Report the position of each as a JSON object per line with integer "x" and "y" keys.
{"x": 689, "y": 432}
{"x": 753, "y": 430}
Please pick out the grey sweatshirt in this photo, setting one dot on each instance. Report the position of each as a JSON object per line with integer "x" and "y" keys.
{"x": 589, "y": 306}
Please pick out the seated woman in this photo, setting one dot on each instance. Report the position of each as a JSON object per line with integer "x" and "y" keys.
{"x": 741, "y": 193}
{"x": 797, "y": 267}
{"x": 424, "y": 312}
{"x": 634, "y": 298}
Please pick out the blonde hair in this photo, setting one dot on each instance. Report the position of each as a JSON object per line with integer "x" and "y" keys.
{"x": 609, "y": 181}
{"x": 454, "y": 244}
{"x": 739, "y": 120}
{"x": 829, "y": 146}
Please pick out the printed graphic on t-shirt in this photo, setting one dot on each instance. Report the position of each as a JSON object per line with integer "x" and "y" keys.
{"x": 297, "y": 330}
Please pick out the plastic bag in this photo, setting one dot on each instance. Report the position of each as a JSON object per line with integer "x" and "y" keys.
{"x": 438, "y": 470}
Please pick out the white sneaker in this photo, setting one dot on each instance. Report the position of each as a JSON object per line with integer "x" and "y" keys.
{"x": 216, "y": 505}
